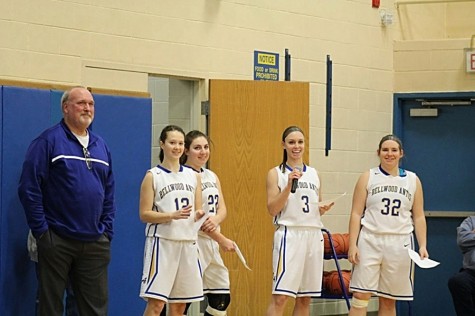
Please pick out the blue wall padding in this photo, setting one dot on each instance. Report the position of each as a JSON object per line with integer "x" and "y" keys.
{"x": 25, "y": 113}
{"x": 125, "y": 123}
{"x": 56, "y": 113}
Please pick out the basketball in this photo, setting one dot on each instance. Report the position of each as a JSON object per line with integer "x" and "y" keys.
{"x": 340, "y": 242}
{"x": 326, "y": 245}
{"x": 331, "y": 282}
{"x": 346, "y": 240}
{"x": 326, "y": 280}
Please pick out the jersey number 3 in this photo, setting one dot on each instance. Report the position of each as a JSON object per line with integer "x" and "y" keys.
{"x": 306, "y": 207}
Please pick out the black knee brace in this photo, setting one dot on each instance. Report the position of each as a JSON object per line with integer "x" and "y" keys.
{"x": 186, "y": 308}
{"x": 219, "y": 302}
{"x": 164, "y": 310}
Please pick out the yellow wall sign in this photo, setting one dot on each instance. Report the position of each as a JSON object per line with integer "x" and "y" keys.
{"x": 266, "y": 66}
{"x": 470, "y": 57}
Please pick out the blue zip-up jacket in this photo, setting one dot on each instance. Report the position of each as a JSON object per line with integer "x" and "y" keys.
{"x": 59, "y": 192}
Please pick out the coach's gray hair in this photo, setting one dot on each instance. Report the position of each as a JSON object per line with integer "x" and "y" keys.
{"x": 65, "y": 96}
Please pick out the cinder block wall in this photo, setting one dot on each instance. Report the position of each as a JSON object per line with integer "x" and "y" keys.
{"x": 429, "y": 50}
{"x": 117, "y": 44}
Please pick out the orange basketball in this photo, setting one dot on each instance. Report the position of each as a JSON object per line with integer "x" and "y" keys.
{"x": 332, "y": 282}
{"x": 346, "y": 239}
{"x": 326, "y": 280}
{"x": 326, "y": 284}
{"x": 326, "y": 245}
{"x": 336, "y": 238}
{"x": 340, "y": 242}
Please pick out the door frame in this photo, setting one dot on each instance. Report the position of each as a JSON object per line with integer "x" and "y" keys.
{"x": 399, "y": 98}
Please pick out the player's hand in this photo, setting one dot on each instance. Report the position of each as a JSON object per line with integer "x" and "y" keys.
{"x": 184, "y": 213}
{"x": 423, "y": 253}
{"x": 325, "y": 208}
{"x": 353, "y": 255}
{"x": 209, "y": 225}
{"x": 227, "y": 245}
{"x": 295, "y": 174}
{"x": 199, "y": 214}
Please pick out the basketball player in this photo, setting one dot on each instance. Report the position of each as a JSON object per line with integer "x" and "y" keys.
{"x": 169, "y": 196}
{"x": 215, "y": 273}
{"x": 387, "y": 207}
{"x": 298, "y": 239}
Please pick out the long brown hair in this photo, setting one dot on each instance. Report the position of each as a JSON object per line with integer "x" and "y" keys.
{"x": 189, "y": 138}
{"x": 286, "y": 133}
{"x": 164, "y": 134}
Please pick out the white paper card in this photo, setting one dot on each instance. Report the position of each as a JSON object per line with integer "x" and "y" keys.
{"x": 241, "y": 257}
{"x": 330, "y": 201}
{"x": 422, "y": 263}
{"x": 199, "y": 223}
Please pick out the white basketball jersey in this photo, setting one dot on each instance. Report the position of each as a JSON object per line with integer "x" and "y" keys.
{"x": 301, "y": 208}
{"x": 389, "y": 202}
{"x": 209, "y": 194}
{"x": 173, "y": 191}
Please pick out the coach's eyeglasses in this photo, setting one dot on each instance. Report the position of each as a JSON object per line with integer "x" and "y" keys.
{"x": 87, "y": 158}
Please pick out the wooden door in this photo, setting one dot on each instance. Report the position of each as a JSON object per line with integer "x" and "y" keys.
{"x": 246, "y": 122}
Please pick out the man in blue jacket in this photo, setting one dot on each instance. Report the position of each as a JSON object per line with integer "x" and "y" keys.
{"x": 462, "y": 284}
{"x": 67, "y": 191}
